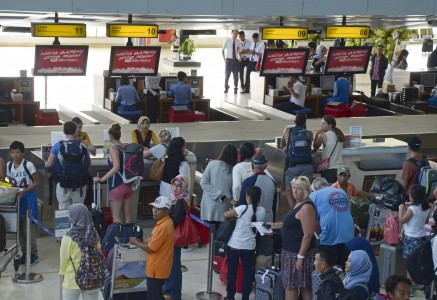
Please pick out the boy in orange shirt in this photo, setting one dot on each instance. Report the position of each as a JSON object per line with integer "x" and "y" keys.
{"x": 158, "y": 248}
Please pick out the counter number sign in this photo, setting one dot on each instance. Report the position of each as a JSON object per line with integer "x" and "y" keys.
{"x": 352, "y": 32}
{"x": 132, "y": 30}
{"x": 284, "y": 33}
{"x": 58, "y": 30}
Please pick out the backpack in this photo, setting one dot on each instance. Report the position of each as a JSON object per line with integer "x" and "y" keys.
{"x": 391, "y": 229}
{"x": 427, "y": 45}
{"x": 132, "y": 166}
{"x": 299, "y": 147}
{"x": 26, "y": 169}
{"x": 346, "y": 294}
{"x": 90, "y": 273}
{"x": 419, "y": 263}
{"x": 426, "y": 176}
{"x": 74, "y": 162}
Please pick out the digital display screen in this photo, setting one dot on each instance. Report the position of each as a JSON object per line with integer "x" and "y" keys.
{"x": 141, "y": 61}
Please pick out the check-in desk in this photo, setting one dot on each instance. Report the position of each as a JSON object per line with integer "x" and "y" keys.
{"x": 143, "y": 196}
{"x": 366, "y": 162}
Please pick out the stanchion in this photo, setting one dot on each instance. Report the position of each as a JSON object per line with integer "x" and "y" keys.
{"x": 210, "y": 295}
{"x": 27, "y": 277}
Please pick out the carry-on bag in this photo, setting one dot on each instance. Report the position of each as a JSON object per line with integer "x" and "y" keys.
{"x": 268, "y": 284}
{"x": 390, "y": 261}
{"x": 102, "y": 216}
{"x": 219, "y": 256}
{"x": 224, "y": 274}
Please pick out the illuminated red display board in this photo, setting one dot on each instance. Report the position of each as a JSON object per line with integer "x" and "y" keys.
{"x": 60, "y": 60}
{"x": 348, "y": 60}
{"x": 140, "y": 61}
{"x": 284, "y": 61}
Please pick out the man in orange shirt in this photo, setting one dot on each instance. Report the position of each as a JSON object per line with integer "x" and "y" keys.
{"x": 343, "y": 175}
{"x": 158, "y": 248}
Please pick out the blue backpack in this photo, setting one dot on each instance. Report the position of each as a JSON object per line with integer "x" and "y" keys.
{"x": 426, "y": 176}
{"x": 299, "y": 146}
{"x": 72, "y": 164}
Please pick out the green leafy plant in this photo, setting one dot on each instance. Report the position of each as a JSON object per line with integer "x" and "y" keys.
{"x": 187, "y": 47}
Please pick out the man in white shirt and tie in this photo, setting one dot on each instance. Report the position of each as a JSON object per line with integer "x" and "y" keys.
{"x": 233, "y": 48}
{"x": 256, "y": 50}
{"x": 244, "y": 57}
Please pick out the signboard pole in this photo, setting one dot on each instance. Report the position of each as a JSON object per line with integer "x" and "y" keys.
{"x": 45, "y": 92}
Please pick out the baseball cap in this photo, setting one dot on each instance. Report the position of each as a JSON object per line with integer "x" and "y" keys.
{"x": 259, "y": 159}
{"x": 344, "y": 170}
{"x": 161, "y": 202}
{"x": 414, "y": 142}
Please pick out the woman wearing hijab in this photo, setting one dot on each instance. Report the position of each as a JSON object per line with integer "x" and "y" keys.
{"x": 143, "y": 135}
{"x": 319, "y": 59}
{"x": 360, "y": 243}
{"x": 358, "y": 270}
{"x": 82, "y": 233}
{"x": 179, "y": 196}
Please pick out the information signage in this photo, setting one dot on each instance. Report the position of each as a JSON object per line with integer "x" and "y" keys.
{"x": 352, "y": 60}
{"x": 60, "y": 60}
{"x": 132, "y": 30}
{"x": 347, "y": 32}
{"x": 139, "y": 61}
{"x": 284, "y": 33}
{"x": 284, "y": 61}
{"x": 58, "y": 30}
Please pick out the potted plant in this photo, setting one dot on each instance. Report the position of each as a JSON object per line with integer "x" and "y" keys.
{"x": 186, "y": 49}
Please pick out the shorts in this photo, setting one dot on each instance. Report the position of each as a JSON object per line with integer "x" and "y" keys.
{"x": 411, "y": 244}
{"x": 121, "y": 192}
{"x": 299, "y": 170}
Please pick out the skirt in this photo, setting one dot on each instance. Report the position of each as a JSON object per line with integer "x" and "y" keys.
{"x": 293, "y": 279}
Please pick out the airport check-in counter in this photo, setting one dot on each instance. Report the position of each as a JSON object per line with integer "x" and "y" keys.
{"x": 366, "y": 162}
{"x": 145, "y": 194}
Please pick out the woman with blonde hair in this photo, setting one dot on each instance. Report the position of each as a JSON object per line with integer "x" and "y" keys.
{"x": 158, "y": 151}
{"x": 332, "y": 139}
{"x": 298, "y": 242}
{"x": 143, "y": 135}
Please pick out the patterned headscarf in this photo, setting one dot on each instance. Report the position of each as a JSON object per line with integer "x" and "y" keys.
{"x": 82, "y": 226}
{"x": 183, "y": 194}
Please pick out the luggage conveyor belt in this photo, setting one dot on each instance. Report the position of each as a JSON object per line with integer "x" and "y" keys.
{"x": 102, "y": 119}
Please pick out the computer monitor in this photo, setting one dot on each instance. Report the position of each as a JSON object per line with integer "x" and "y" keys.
{"x": 427, "y": 80}
{"x": 327, "y": 82}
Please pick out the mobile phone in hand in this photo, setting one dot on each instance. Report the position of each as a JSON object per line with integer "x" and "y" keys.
{"x": 266, "y": 226}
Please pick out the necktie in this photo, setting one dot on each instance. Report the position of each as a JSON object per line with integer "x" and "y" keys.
{"x": 254, "y": 48}
{"x": 233, "y": 49}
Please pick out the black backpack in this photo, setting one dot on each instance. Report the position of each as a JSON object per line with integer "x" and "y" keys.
{"x": 420, "y": 264}
{"x": 299, "y": 146}
{"x": 72, "y": 165}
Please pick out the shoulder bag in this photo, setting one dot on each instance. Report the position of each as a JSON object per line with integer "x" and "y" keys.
{"x": 324, "y": 163}
{"x": 156, "y": 171}
{"x": 186, "y": 233}
{"x": 226, "y": 228}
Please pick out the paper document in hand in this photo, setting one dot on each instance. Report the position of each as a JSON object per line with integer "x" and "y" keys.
{"x": 261, "y": 229}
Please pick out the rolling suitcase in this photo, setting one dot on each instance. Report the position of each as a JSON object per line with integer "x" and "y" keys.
{"x": 390, "y": 261}
{"x": 102, "y": 216}
{"x": 219, "y": 256}
{"x": 268, "y": 284}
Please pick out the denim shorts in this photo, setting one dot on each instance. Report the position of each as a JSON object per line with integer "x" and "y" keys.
{"x": 411, "y": 244}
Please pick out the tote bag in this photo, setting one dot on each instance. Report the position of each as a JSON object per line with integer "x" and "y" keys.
{"x": 186, "y": 233}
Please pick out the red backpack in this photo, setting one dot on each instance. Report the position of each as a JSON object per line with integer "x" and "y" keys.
{"x": 391, "y": 229}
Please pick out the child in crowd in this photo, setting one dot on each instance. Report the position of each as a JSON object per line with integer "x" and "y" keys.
{"x": 143, "y": 135}
{"x": 83, "y": 137}
{"x": 331, "y": 283}
{"x": 397, "y": 287}
{"x": 23, "y": 174}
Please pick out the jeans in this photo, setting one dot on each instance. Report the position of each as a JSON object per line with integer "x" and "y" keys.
{"x": 154, "y": 288}
{"x": 373, "y": 84}
{"x": 70, "y": 294}
{"x": 233, "y": 256}
{"x": 232, "y": 66}
{"x": 173, "y": 285}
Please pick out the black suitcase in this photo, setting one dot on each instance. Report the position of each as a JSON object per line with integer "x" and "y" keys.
{"x": 379, "y": 102}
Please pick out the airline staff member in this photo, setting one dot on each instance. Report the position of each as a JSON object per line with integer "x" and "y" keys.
{"x": 244, "y": 59}
{"x": 256, "y": 50}
{"x": 233, "y": 47}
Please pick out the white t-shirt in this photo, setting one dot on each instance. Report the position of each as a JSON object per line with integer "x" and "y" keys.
{"x": 238, "y": 172}
{"x": 298, "y": 89}
{"x": 243, "y": 237}
{"x": 415, "y": 227}
{"x": 158, "y": 151}
{"x": 19, "y": 177}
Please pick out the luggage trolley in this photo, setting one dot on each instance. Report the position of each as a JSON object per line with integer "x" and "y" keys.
{"x": 126, "y": 256}
{"x": 9, "y": 211}
{"x": 375, "y": 228}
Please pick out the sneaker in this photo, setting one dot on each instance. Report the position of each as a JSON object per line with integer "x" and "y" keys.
{"x": 235, "y": 91}
{"x": 34, "y": 259}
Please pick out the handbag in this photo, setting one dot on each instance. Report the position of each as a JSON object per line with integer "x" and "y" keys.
{"x": 186, "y": 233}
{"x": 226, "y": 229}
{"x": 156, "y": 171}
{"x": 324, "y": 163}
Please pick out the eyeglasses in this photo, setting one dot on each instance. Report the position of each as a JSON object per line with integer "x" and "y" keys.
{"x": 177, "y": 185}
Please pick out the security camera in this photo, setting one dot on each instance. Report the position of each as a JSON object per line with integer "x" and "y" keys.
{"x": 430, "y": 19}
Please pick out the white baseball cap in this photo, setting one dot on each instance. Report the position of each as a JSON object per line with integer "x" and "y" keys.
{"x": 161, "y": 202}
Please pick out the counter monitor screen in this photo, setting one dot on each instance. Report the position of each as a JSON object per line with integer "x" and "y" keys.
{"x": 327, "y": 82}
{"x": 348, "y": 60}
{"x": 427, "y": 80}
